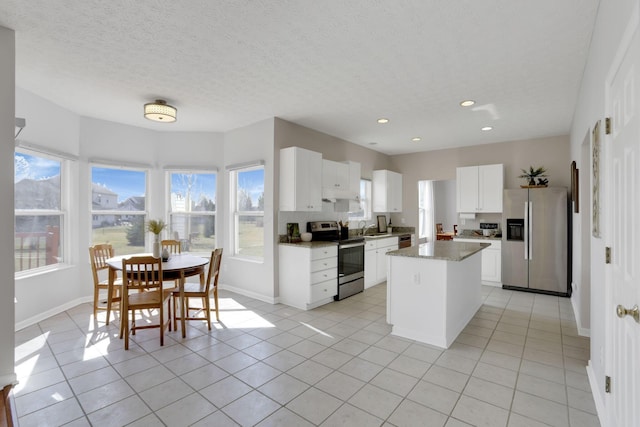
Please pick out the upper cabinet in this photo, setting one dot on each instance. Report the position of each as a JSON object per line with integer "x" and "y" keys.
{"x": 300, "y": 180}
{"x": 387, "y": 191}
{"x": 479, "y": 188}
{"x": 336, "y": 180}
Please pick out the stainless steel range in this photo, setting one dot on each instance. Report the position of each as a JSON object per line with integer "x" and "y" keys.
{"x": 350, "y": 257}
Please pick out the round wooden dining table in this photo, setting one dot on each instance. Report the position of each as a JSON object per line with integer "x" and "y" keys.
{"x": 177, "y": 267}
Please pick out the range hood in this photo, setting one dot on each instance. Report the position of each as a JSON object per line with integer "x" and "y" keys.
{"x": 332, "y": 195}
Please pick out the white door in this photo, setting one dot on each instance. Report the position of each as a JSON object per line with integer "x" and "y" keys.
{"x": 623, "y": 103}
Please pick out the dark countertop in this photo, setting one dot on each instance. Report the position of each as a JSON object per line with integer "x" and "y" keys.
{"x": 445, "y": 250}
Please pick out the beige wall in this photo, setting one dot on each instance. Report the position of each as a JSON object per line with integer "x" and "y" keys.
{"x": 552, "y": 153}
{"x": 288, "y": 134}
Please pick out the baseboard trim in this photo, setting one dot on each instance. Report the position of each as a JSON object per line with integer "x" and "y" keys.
{"x": 584, "y": 332}
{"x": 51, "y": 312}
{"x": 598, "y": 398}
{"x": 246, "y": 293}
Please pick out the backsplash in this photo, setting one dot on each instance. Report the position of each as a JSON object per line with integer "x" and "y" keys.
{"x": 327, "y": 214}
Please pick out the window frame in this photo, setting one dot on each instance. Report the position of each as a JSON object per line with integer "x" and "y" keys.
{"x": 235, "y": 214}
{"x": 195, "y": 171}
{"x": 62, "y": 213}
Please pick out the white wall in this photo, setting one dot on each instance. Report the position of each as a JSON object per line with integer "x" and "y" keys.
{"x": 612, "y": 19}
{"x": 255, "y": 279}
{"x": 55, "y": 128}
{"x": 7, "y": 115}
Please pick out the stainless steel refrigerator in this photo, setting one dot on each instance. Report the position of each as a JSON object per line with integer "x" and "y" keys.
{"x": 535, "y": 236}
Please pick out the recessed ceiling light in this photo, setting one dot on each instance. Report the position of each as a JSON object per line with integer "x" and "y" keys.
{"x": 486, "y": 128}
{"x": 383, "y": 121}
{"x": 416, "y": 139}
{"x": 467, "y": 103}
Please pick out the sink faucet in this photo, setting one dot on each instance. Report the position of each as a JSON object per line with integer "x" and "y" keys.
{"x": 361, "y": 225}
{"x": 364, "y": 233}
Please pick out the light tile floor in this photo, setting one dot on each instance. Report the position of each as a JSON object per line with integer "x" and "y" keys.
{"x": 519, "y": 362}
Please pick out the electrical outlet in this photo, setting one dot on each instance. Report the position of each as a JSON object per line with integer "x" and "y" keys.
{"x": 416, "y": 278}
{"x": 402, "y": 221}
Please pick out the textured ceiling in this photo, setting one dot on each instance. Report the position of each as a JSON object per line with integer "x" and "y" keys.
{"x": 335, "y": 66}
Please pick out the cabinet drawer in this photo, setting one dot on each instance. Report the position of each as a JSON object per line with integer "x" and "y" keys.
{"x": 324, "y": 252}
{"x": 324, "y": 275}
{"x": 323, "y": 290}
{"x": 324, "y": 263}
{"x": 370, "y": 244}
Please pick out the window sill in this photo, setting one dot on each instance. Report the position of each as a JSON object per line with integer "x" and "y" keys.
{"x": 42, "y": 271}
{"x": 247, "y": 259}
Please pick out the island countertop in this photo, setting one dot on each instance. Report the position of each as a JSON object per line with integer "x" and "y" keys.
{"x": 446, "y": 250}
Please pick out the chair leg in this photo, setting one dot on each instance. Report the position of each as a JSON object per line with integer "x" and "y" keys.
{"x": 215, "y": 300}
{"x": 125, "y": 317}
{"x": 207, "y": 310}
{"x": 96, "y": 294}
{"x": 161, "y": 320}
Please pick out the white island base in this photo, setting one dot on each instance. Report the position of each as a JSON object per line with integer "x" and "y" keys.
{"x": 432, "y": 300}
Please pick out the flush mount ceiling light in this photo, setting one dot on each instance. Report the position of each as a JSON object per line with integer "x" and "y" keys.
{"x": 383, "y": 121}
{"x": 467, "y": 103}
{"x": 416, "y": 139}
{"x": 160, "y": 111}
{"x": 487, "y": 128}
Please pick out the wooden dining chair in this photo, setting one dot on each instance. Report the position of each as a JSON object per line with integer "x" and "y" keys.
{"x": 143, "y": 273}
{"x": 439, "y": 228}
{"x": 173, "y": 246}
{"x": 199, "y": 290}
{"x": 99, "y": 255}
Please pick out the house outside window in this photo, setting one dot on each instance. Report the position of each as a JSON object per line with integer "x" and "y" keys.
{"x": 364, "y": 213}
{"x": 118, "y": 208}
{"x": 40, "y": 211}
{"x": 192, "y": 209}
{"x": 247, "y": 194}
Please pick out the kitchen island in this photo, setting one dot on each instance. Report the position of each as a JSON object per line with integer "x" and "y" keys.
{"x": 433, "y": 290}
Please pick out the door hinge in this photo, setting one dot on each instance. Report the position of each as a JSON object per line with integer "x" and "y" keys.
{"x": 607, "y": 255}
{"x": 607, "y": 384}
{"x": 607, "y": 126}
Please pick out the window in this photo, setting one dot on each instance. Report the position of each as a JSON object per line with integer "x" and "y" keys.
{"x": 118, "y": 208}
{"x": 39, "y": 211}
{"x": 247, "y": 193}
{"x": 364, "y": 213}
{"x": 192, "y": 210}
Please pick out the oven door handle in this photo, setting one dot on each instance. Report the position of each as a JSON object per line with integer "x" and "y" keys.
{"x": 351, "y": 245}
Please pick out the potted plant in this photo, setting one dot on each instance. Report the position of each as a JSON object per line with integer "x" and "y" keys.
{"x": 535, "y": 173}
{"x": 156, "y": 226}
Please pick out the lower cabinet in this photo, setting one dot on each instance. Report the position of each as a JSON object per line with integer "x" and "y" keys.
{"x": 375, "y": 259}
{"x": 308, "y": 276}
{"x": 491, "y": 260}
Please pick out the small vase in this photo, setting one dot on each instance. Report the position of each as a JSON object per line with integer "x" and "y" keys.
{"x": 156, "y": 248}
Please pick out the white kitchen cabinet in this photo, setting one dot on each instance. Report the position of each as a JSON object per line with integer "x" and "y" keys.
{"x": 375, "y": 259}
{"x": 308, "y": 276}
{"x": 335, "y": 175}
{"x": 384, "y": 246}
{"x": 491, "y": 260}
{"x": 479, "y": 188}
{"x": 352, "y": 201}
{"x": 387, "y": 191}
{"x": 300, "y": 180}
